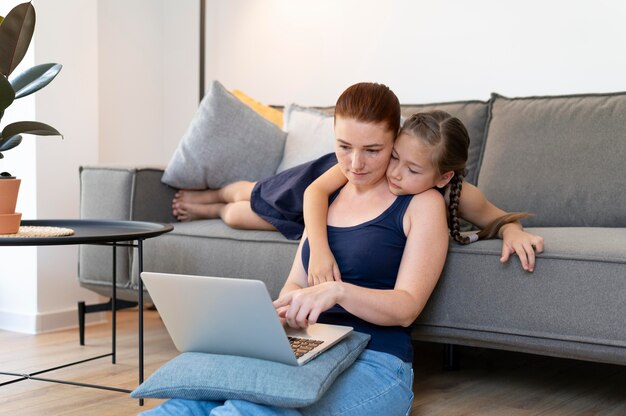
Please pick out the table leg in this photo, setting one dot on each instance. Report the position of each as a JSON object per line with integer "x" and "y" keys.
{"x": 114, "y": 306}
{"x": 140, "y": 255}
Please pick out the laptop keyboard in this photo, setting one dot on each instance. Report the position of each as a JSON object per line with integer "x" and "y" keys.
{"x": 301, "y": 346}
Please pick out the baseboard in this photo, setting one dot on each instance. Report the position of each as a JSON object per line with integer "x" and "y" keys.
{"x": 46, "y": 322}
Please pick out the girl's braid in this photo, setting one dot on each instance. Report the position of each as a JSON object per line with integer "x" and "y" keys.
{"x": 456, "y": 183}
{"x": 489, "y": 231}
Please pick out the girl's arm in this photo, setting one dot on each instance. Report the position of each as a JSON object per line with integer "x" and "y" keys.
{"x": 322, "y": 264}
{"x": 475, "y": 208}
{"x": 422, "y": 263}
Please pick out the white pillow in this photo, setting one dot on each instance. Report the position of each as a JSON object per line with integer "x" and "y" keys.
{"x": 310, "y": 134}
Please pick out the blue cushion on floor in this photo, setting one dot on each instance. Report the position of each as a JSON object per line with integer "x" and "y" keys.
{"x": 200, "y": 376}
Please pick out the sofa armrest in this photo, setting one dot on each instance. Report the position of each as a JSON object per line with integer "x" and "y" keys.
{"x": 116, "y": 193}
{"x": 125, "y": 194}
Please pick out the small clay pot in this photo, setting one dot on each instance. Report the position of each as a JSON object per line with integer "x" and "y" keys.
{"x": 10, "y": 223}
{"x": 9, "y": 219}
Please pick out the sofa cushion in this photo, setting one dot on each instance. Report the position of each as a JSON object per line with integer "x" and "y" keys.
{"x": 226, "y": 141}
{"x": 210, "y": 247}
{"x": 310, "y": 134}
{"x": 559, "y": 157}
{"x": 199, "y": 376}
{"x": 473, "y": 114}
{"x": 576, "y": 294}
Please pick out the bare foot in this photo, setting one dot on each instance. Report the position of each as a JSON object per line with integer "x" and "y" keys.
{"x": 189, "y": 212}
{"x": 205, "y": 196}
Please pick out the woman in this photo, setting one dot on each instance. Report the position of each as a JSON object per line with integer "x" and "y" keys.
{"x": 391, "y": 250}
{"x": 379, "y": 294}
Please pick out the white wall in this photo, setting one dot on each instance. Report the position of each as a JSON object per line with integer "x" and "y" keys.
{"x": 18, "y": 274}
{"x": 127, "y": 90}
{"x": 426, "y": 51}
{"x": 282, "y": 51}
{"x": 148, "y": 58}
{"x": 66, "y": 32}
{"x": 38, "y": 285}
{"x": 18, "y": 271}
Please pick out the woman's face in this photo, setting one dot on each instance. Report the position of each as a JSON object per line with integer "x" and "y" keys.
{"x": 363, "y": 150}
{"x": 411, "y": 169}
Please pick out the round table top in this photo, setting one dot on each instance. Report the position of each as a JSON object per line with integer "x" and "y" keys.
{"x": 90, "y": 232}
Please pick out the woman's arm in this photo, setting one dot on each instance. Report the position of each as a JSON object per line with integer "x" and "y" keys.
{"x": 422, "y": 262}
{"x": 296, "y": 279}
{"x": 322, "y": 264}
{"x": 475, "y": 208}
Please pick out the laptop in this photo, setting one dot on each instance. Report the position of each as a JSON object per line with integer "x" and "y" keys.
{"x": 222, "y": 315}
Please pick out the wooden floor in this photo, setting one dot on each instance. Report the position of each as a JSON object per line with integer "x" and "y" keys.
{"x": 489, "y": 382}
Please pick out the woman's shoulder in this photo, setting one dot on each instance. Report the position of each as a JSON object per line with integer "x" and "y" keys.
{"x": 428, "y": 206}
{"x": 429, "y": 198}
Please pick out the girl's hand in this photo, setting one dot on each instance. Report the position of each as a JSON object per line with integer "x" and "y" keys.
{"x": 522, "y": 243}
{"x": 322, "y": 267}
{"x": 301, "y": 308}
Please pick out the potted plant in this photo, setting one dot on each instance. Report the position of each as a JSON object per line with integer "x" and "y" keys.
{"x": 16, "y": 32}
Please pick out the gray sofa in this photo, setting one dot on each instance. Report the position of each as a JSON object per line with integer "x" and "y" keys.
{"x": 561, "y": 158}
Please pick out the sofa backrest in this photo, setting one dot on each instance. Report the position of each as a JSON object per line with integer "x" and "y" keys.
{"x": 559, "y": 157}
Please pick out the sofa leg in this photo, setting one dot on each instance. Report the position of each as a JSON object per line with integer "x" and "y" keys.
{"x": 99, "y": 307}
{"x": 450, "y": 357}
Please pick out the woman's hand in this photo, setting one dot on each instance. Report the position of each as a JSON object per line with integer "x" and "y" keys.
{"x": 322, "y": 267}
{"x": 301, "y": 308}
{"x": 524, "y": 244}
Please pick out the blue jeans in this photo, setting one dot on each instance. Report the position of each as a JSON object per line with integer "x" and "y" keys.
{"x": 376, "y": 384}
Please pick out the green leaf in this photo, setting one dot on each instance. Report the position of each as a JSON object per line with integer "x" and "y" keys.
{"x": 10, "y": 142}
{"x": 29, "y": 127}
{"x": 16, "y": 31}
{"x": 7, "y": 95}
{"x": 34, "y": 79}
{"x": 1, "y": 20}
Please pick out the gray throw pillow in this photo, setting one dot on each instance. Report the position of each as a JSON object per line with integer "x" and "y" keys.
{"x": 559, "y": 157}
{"x": 200, "y": 376}
{"x": 226, "y": 141}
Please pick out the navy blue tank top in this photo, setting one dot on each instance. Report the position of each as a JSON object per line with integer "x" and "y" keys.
{"x": 369, "y": 255}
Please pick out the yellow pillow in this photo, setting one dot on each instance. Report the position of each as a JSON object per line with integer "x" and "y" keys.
{"x": 273, "y": 115}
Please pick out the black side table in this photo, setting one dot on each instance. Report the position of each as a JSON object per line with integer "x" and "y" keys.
{"x": 101, "y": 232}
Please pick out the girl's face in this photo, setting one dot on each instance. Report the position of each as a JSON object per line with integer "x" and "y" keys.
{"x": 363, "y": 150}
{"x": 411, "y": 169}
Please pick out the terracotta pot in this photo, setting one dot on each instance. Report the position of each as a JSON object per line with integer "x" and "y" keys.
{"x": 8, "y": 195}
{"x": 9, "y": 219}
{"x": 10, "y": 223}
